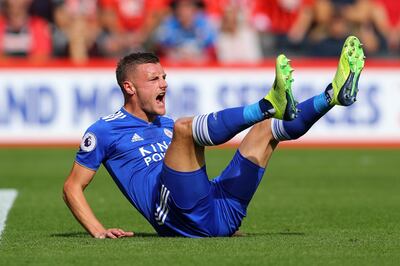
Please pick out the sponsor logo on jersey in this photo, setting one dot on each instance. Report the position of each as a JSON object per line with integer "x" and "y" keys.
{"x": 168, "y": 133}
{"x": 136, "y": 137}
{"x": 88, "y": 142}
{"x": 154, "y": 152}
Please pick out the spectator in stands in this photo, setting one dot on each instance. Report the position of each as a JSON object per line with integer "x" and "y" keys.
{"x": 273, "y": 19}
{"x": 187, "y": 34}
{"x": 215, "y": 9}
{"x": 298, "y": 30}
{"x": 236, "y": 41}
{"x": 392, "y": 9}
{"x": 386, "y": 14}
{"x": 330, "y": 28}
{"x": 22, "y": 35}
{"x": 379, "y": 23}
{"x": 128, "y": 25}
{"x": 368, "y": 21}
{"x": 43, "y": 9}
{"x": 322, "y": 28}
{"x": 75, "y": 29}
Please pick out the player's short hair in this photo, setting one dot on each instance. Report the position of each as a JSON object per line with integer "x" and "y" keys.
{"x": 129, "y": 63}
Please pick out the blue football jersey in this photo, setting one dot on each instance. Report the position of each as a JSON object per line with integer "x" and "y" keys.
{"x": 175, "y": 203}
{"x": 132, "y": 150}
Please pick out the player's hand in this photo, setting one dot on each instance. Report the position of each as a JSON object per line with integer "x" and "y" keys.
{"x": 114, "y": 233}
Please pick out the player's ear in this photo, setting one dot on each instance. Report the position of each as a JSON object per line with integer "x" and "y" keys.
{"x": 129, "y": 87}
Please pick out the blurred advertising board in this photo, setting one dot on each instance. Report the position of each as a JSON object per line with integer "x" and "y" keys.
{"x": 54, "y": 105}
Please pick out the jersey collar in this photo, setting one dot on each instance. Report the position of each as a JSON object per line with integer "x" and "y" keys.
{"x": 123, "y": 110}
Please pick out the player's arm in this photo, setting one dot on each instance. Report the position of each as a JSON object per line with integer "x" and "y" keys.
{"x": 75, "y": 184}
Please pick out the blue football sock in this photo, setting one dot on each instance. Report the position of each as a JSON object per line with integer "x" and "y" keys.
{"x": 311, "y": 111}
{"x": 219, "y": 127}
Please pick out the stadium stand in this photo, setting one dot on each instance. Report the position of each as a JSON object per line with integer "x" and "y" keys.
{"x": 83, "y": 30}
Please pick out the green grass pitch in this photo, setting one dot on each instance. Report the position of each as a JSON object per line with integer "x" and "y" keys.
{"x": 313, "y": 207}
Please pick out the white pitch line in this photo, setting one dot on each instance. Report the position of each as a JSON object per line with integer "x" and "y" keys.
{"x": 7, "y": 197}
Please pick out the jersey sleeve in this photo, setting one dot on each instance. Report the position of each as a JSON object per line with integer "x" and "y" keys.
{"x": 94, "y": 146}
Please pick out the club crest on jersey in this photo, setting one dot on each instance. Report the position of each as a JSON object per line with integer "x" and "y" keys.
{"x": 168, "y": 133}
{"x": 136, "y": 137}
{"x": 88, "y": 142}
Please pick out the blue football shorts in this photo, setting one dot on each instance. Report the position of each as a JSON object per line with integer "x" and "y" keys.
{"x": 199, "y": 207}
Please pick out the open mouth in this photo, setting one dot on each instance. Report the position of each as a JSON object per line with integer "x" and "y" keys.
{"x": 161, "y": 97}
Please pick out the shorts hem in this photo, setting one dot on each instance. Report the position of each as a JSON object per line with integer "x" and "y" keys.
{"x": 250, "y": 163}
{"x": 170, "y": 170}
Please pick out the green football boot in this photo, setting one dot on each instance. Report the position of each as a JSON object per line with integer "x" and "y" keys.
{"x": 345, "y": 82}
{"x": 280, "y": 96}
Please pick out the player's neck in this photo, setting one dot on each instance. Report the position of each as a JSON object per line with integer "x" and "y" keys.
{"x": 139, "y": 113}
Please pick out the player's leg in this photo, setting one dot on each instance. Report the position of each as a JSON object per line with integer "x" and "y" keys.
{"x": 342, "y": 91}
{"x": 184, "y": 175}
{"x": 258, "y": 144}
{"x": 184, "y": 166}
{"x": 182, "y": 154}
{"x": 219, "y": 127}
{"x": 241, "y": 177}
{"x": 244, "y": 173}
{"x": 256, "y": 148}
{"x": 186, "y": 151}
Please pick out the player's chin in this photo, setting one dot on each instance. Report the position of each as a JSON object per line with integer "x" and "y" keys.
{"x": 160, "y": 110}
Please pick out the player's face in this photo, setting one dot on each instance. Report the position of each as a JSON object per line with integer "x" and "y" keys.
{"x": 150, "y": 84}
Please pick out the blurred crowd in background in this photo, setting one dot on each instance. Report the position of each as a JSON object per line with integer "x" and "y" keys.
{"x": 196, "y": 31}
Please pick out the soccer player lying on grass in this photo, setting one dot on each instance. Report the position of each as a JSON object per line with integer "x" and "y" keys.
{"x": 159, "y": 164}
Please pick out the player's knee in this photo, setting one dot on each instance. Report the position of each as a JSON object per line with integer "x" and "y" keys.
{"x": 183, "y": 128}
